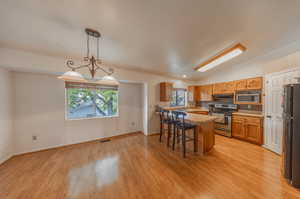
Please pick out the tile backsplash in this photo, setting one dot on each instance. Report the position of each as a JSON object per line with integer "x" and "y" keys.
{"x": 251, "y": 107}
{"x": 240, "y": 106}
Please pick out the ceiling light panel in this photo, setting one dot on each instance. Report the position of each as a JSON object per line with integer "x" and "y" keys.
{"x": 222, "y": 57}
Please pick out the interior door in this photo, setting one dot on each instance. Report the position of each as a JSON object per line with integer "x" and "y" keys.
{"x": 274, "y": 91}
{"x": 273, "y": 117}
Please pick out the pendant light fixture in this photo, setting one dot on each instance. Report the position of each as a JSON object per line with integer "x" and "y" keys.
{"x": 91, "y": 63}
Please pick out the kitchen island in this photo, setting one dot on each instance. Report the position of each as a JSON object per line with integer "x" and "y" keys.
{"x": 205, "y": 130}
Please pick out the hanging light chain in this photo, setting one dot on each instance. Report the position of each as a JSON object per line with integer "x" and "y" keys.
{"x": 88, "y": 46}
{"x": 97, "y": 48}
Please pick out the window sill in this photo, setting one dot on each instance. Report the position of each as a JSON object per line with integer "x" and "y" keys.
{"x": 92, "y": 118}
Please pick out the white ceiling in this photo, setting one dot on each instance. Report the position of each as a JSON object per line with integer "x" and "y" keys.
{"x": 161, "y": 36}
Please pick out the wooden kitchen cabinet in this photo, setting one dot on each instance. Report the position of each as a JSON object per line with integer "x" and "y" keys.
{"x": 254, "y": 83}
{"x": 247, "y": 128}
{"x": 218, "y": 88}
{"x": 224, "y": 88}
{"x": 237, "y": 128}
{"x": 253, "y": 132}
{"x": 206, "y": 92}
{"x": 249, "y": 84}
{"x": 193, "y": 93}
{"x": 229, "y": 87}
{"x": 241, "y": 85}
{"x": 197, "y": 93}
{"x": 166, "y": 91}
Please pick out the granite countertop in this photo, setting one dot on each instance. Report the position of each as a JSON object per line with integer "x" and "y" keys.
{"x": 199, "y": 118}
{"x": 194, "y": 117}
{"x": 188, "y": 109}
{"x": 196, "y": 109}
{"x": 249, "y": 113}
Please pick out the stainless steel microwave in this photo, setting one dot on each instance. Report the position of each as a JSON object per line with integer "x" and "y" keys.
{"x": 253, "y": 97}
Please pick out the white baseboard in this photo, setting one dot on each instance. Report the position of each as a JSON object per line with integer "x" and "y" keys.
{"x": 42, "y": 148}
{"x": 2, "y": 160}
{"x": 63, "y": 145}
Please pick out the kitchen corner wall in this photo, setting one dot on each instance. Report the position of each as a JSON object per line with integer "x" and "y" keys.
{"x": 6, "y": 116}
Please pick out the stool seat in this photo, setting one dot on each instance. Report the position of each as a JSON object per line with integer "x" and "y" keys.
{"x": 185, "y": 126}
{"x": 167, "y": 121}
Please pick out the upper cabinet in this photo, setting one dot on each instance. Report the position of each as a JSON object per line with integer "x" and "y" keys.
{"x": 166, "y": 91}
{"x": 191, "y": 92}
{"x": 254, "y": 83}
{"x": 224, "y": 88}
{"x": 241, "y": 84}
{"x": 218, "y": 88}
{"x": 206, "y": 92}
{"x": 249, "y": 84}
{"x": 197, "y": 94}
{"x": 229, "y": 87}
{"x": 200, "y": 93}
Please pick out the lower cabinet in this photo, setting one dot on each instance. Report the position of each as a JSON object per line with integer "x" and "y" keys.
{"x": 248, "y": 129}
{"x": 238, "y": 129}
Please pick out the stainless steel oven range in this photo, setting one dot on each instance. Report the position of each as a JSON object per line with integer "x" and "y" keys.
{"x": 223, "y": 112}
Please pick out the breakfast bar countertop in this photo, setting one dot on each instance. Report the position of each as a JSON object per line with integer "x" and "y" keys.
{"x": 196, "y": 109}
{"x": 199, "y": 118}
{"x": 188, "y": 109}
{"x": 194, "y": 117}
{"x": 249, "y": 113}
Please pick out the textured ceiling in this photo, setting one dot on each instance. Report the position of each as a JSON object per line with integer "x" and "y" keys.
{"x": 168, "y": 37}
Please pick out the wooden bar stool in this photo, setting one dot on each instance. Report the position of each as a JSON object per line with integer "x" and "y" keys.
{"x": 178, "y": 119}
{"x": 165, "y": 119}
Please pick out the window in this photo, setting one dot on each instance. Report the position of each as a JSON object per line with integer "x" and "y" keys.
{"x": 178, "y": 97}
{"x": 91, "y": 101}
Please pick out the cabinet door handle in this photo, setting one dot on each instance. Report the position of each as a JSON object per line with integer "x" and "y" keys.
{"x": 269, "y": 116}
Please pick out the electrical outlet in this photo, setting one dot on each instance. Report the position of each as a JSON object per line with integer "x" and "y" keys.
{"x": 132, "y": 123}
{"x": 34, "y": 137}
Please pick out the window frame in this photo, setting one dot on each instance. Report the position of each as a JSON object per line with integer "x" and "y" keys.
{"x": 89, "y": 118}
{"x": 185, "y": 96}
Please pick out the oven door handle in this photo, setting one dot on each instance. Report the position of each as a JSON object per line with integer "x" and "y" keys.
{"x": 222, "y": 129}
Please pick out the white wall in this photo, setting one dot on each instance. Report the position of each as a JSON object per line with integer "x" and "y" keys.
{"x": 40, "y": 111}
{"x": 6, "y": 115}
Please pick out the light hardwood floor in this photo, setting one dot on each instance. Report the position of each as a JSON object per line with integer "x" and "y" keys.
{"x": 141, "y": 167}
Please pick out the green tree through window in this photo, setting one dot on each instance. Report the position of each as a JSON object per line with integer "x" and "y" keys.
{"x": 89, "y": 103}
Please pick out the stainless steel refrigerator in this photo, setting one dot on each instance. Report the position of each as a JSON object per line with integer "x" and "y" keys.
{"x": 291, "y": 134}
